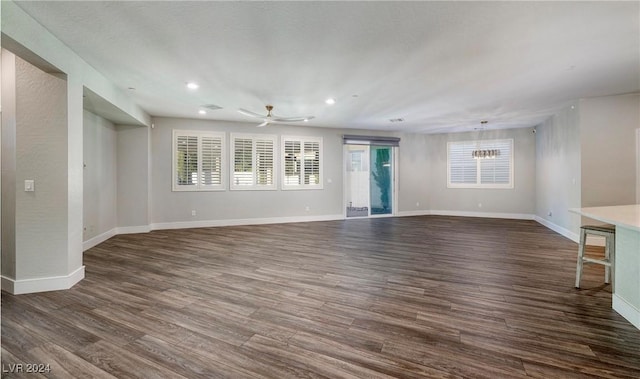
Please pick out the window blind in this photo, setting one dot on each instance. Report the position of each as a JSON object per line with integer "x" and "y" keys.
{"x": 198, "y": 160}
{"x": 253, "y": 161}
{"x": 465, "y": 171}
{"x": 302, "y": 162}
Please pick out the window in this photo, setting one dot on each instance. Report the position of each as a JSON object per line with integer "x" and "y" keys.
{"x": 253, "y": 161}
{"x": 198, "y": 161}
{"x": 467, "y": 169}
{"x": 302, "y": 162}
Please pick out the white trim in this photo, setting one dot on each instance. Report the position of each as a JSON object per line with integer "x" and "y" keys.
{"x": 558, "y": 229}
{"x": 413, "y": 213}
{"x": 626, "y": 310}
{"x": 245, "y": 221}
{"x": 91, "y": 242}
{"x": 133, "y": 229}
{"x": 54, "y": 283}
{"x": 517, "y": 216}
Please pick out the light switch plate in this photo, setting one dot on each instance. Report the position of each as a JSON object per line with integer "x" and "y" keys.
{"x": 29, "y": 186}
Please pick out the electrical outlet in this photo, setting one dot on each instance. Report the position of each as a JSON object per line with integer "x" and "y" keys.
{"x": 29, "y": 185}
{"x": 307, "y": 208}
{"x": 193, "y": 212}
{"x": 417, "y": 204}
{"x": 479, "y": 205}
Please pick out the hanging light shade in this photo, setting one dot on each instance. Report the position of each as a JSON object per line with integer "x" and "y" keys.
{"x": 485, "y": 153}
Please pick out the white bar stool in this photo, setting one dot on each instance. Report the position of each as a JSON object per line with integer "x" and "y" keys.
{"x": 609, "y": 234}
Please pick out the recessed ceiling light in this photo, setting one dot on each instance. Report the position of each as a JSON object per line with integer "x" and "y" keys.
{"x": 330, "y": 101}
{"x": 306, "y": 120}
{"x": 192, "y": 85}
{"x": 202, "y": 111}
{"x": 131, "y": 88}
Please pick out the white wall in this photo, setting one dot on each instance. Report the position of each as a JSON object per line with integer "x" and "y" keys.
{"x": 24, "y": 37}
{"x": 415, "y": 174}
{"x": 99, "y": 176}
{"x": 516, "y": 202}
{"x": 132, "y": 162}
{"x": 558, "y": 173}
{"x": 8, "y": 163}
{"x": 41, "y": 155}
{"x": 638, "y": 167}
{"x": 607, "y": 135}
{"x": 172, "y": 207}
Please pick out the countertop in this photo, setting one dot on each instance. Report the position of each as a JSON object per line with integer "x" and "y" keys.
{"x": 620, "y": 215}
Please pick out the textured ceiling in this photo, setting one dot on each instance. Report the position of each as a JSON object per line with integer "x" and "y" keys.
{"x": 440, "y": 66}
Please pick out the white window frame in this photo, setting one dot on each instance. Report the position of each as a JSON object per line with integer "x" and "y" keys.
{"x": 482, "y": 144}
{"x": 302, "y": 141}
{"x": 199, "y": 134}
{"x": 254, "y": 138}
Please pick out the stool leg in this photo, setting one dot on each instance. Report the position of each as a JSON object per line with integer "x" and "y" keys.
{"x": 607, "y": 253}
{"x": 583, "y": 242}
{"x": 612, "y": 260}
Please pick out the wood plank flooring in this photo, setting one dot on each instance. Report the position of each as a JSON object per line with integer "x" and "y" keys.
{"x": 413, "y": 297}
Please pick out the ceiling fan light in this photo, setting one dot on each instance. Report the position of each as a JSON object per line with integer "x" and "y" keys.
{"x": 330, "y": 101}
{"x": 192, "y": 85}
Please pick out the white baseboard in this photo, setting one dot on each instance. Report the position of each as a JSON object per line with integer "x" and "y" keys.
{"x": 413, "y": 213}
{"x": 133, "y": 229}
{"x": 88, "y": 244}
{"x": 54, "y": 283}
{"x": 516, "y": 216}
{"x": 245, "y": 221}
{"x": 558, "y": 229}
{"x": 626, "y": 310}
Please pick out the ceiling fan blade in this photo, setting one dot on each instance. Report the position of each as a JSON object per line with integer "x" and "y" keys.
{"x": 250, "y": 114}
{"x": 293, "y": 119}
{"x": 263, "y": 124}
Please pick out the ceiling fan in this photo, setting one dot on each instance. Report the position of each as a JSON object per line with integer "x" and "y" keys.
{"x": 269, "y": 118}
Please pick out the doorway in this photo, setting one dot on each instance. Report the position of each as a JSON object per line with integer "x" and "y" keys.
{"x": 369, "y": 180}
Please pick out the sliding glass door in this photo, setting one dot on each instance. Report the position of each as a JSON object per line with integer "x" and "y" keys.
{"x": 369, "y": 180}
{"x": 381, "y": 180}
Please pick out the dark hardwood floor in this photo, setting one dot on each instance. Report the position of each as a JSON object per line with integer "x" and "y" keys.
{"x": 413, "y": 297}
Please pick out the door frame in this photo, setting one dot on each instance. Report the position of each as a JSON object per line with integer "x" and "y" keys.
{"x": 394, "y": 208}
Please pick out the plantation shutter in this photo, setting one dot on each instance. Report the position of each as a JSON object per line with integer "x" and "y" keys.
{"x": 265, "y": 162}
{"x": 302, "y": 162}
{"x": 253, "y": 159}
{"x": 311, "y": 163}
{"x": 243, "y": 161}
{"x": 496, "y": 170}
{"x": 211, "y": 168}
{"x": 198, "y": 163}
{"x": 292, "y": 158}
{"x": 484, "y": 171}
{"x": 463, "y": 168}
{"x": 186, "y": 160}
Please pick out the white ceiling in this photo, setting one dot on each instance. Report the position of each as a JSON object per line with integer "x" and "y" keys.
{"x": 441, "y": 66}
